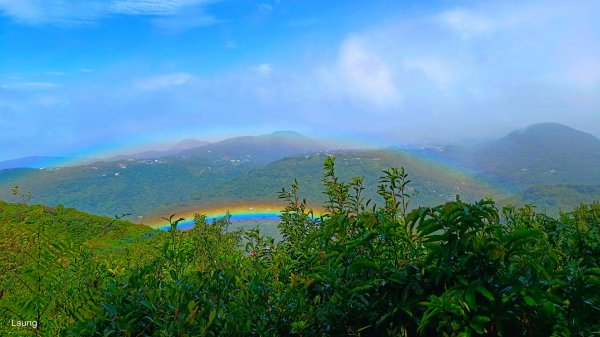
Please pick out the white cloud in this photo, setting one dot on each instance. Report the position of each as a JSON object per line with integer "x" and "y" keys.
{"x": 264, "y": 11}
{"x": 150, "y": 7}
{"x": 488, "y": 63}
{"x": 466, "y": 22}
{"x": 61, "y": 12}
{"x": 436, "y": 70}
{"x": 30, "y": 85}
{"x": 55, "y": 73}
{"x": 37, "y": 12}
{"x": 364, "y": 73}
{"x": 163, "y": 81}
{"x": 431, "y": 74}
{"x": 190, "y": 18}
{"x": 264, "y": 68}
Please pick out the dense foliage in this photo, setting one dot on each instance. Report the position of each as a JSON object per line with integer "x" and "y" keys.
{"x": 457, "y": 269}
{"x": 560, "y": 197}
{"x": 53, "y": 262}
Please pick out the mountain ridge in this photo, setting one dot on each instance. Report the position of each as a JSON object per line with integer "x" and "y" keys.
{"x": 252, "y": 168}
{"x": 545, "y": 153}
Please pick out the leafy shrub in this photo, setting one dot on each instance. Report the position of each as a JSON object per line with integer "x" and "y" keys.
{"x": 457, "y": 269}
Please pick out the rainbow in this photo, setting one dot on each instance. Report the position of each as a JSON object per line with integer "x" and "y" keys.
{"x": 240, "y": 213}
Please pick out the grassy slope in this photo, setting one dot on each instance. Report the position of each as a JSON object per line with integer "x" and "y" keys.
{"x": 434, "y": 182}
{"x": 68, "y": 224}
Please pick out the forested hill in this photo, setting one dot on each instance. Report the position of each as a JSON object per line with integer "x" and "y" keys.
{"x": 139, "y": 186}
{"x": 255, "y": 168}
{"x": 547, "y": 154}
{"x": 453, "y": 269}
{"x": 560, "y": 197}
{"x": 181, "y": 146}
{"x": 434, "y": 182}
{"x": 142, "y": 187}
{"x": 257, "y": 149}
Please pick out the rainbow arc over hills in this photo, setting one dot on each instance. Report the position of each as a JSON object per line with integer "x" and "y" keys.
{"x": 240, "y": 213}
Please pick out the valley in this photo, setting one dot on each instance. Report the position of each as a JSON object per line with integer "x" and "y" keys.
{"x": 527, "y": 166}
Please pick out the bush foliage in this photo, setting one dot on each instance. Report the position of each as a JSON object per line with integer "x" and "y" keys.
{"x": 457, "y": 269}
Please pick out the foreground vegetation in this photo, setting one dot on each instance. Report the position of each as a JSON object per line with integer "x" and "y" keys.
{"x": 457, "y": 269}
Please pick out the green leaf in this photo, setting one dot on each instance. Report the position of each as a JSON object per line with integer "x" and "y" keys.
{"x": 477, "y": 323}
{"x": 486, "y": 293}
{"x": 110, "y": 308}
{"x": 191, "y": 305}
{"x": 470, "y": 299}
{"x": 481, "y": 319}
{"x": 530, "y": 301}
{"x": 466, "y": 333}
{"x": 211, "y": 317}
{"x": 549, "y": 307}
{"x": 593, "y": 279}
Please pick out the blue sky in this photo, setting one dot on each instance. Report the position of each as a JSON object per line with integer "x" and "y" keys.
{"x": 92, "y": 77}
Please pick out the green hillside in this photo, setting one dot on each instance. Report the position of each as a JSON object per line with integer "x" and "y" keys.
{"x": 68, "y": 225}
{"x": 541, "y": 154}
{"x": 117, "y": 188}
{"x": 435, "y": 183}
{"x": 53, "y": 259}
{"x": 453, "y": 269}
{"x": 560, "y": 197}
{"x": 145, "y": 187}
{"x": 139, "y": 186}
{"x": 255, "y": 168}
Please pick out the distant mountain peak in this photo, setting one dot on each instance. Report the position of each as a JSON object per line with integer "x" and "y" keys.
{"x": 552, "y": 132}
{"x": 287, "y": 133}
{"x": 548, "y": 127}
{"x": 544, "y": 154}
{"x": 187, "y": 144}
{"x": 263, "y": 148}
